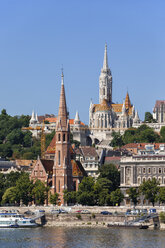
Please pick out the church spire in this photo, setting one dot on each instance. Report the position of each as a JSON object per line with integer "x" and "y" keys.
{"x": 105, "y": 63}
{"x": 127, "y": 101}
{"x": 62, "y": 113}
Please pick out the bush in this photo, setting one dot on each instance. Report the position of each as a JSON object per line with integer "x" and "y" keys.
{"x": 78, "y": 216}
{"x": 162, "y": 217}
{"x": 93, "y": 216}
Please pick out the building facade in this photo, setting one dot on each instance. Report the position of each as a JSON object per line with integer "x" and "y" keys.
{"x": 107, "y": 116}
{"x": 140, "y": 168}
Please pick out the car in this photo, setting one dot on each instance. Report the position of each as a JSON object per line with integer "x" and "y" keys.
{"x": 55, "y": 211}
{"x": 128, "y": 212}
{"x": 143, "y": 211}
{"x": 78, "y": 211}
{"x": 135, "y": 211}
{"x": 106, "y": 213}
{"x": 152, "y": 210}
{"x": 28, "y": 212}
{"x": 63, "y": 211}
{"x": 85, "y": 212}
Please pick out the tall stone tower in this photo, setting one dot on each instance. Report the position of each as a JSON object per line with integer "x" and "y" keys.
{"x": 62, "y": 169}
{"x": 105, "y": 81}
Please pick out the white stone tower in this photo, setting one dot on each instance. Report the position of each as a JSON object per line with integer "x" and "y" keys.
{"x": 105, "y": 81}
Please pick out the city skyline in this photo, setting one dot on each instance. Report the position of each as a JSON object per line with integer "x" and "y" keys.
{"x": 38, "y": 38}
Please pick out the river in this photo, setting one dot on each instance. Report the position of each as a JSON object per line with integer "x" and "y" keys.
{"x": 61, "y": 237}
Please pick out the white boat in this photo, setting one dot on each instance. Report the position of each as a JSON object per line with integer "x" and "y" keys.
{"x": 14, "y": 220}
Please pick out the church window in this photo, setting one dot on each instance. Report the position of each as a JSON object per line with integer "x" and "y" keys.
{"x": 59, "y": 186}
{"x": 144, "y": 170}
{"x": 64, "y": 137}
{"x": 104, "y": 91}
{"x": 149, "y": 170}
{"x": 160, "y": 170}
{"x": 59, "y": 158}
{"x": 59, "y": 137}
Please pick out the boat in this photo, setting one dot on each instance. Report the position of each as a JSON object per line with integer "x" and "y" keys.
{"x": 15, "y": 220}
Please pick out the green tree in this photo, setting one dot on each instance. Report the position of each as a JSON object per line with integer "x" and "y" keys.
{"x": 10, "y": 196}
{"x": 148, "y": 117}
{"x": 24, "y": 188}
{"x": 102, "y": 190}
{"x": 39, "y": 192}
{"x": 70, "y": 197}
{"x": 162, "y": 133}
{"x": 161, "y": 196}
{"x": 116, "y": 197}
{"x": 117, "y": 139}
{"x": 150, "y": 190}
{"x": 85, "y": 194}
{"x": 53, "y": 198}
{"x": 110, "y": 172}
{"x": 133, "y": 195}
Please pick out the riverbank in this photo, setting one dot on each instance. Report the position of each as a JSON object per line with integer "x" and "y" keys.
{"x": 77, "y": 219}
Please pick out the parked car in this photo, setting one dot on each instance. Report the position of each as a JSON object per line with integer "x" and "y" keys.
{"x": 143, "y": 211}
{"x": 78, "y": 211}
{"x": 106, "y": 213}
{"x": 62, "y": 211}
{"x": 128, "y": 212}
{"x": 55, "y": 211}
{"x": 152, "y": 210}
{"x": 85, "y": 212}
{"x": 135, "y": 211}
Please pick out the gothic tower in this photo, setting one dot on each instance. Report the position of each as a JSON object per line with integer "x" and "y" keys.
{"x": 62, "y": 170}
{"x": 105, "y": 81}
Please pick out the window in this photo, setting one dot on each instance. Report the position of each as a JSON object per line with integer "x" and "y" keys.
{"x": 149, "y": 170}
{"x": 59, "y": 186}
{"x": 144, "y": 170}
{"x": 139, "y": 170}
{"x": 59, "y": 137}
{"x": 160, "y": 170}
{"x": 59, "y": 158}
{"x": 104, "y": 91}
{"x": 160, "y": 180}
{"x": 64, "y": 137}
{"x": 144, "y": 179}
{"x": 41, "y": 173}
{"x": 139, "y": 180}
{"x": 154, "y": 170}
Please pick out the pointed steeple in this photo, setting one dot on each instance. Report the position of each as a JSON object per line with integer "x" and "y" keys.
{"x": 105, "y": 63}
{"x": 33, "y": 116}
{"x": 77, "y": 118}
{"x": 127, "y": 101}
{"x": 36, "y": 117}
{"x": 137, "y": 116}
{"x": 62, "y": 113}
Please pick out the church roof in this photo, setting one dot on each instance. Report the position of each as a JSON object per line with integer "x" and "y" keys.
{"x": 77, "y": 169}
{"x": 48, "y": 165}
{"x": 104, "y": 106}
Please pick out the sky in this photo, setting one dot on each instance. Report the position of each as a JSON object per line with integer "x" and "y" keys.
{"x": 39, "y": 37}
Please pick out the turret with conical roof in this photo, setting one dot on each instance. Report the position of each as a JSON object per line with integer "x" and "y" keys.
{"x": 105, "y": 81}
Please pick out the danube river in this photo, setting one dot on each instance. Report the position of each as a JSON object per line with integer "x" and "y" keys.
{"x": 61, "y": 237}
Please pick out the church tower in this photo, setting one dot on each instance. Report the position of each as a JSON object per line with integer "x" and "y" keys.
{"x": 62, "y": 169}
{"x": 105, "y": 81}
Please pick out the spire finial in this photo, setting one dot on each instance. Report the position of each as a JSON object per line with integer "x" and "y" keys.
{"x": 105, "y": 64}
{"x": 62, "y": 76}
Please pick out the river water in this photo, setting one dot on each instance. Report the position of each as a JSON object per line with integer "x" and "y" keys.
{"x": 61, "y": 237}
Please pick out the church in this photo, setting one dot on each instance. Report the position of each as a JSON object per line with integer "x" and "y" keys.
{"x": 107, "y": 116}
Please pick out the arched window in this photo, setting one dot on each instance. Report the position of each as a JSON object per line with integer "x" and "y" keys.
{"x": 59, "y": 158}
{"x": 64, "y": 137}
{"x": 59, "y": 186}
{"x": 59, "y": 137}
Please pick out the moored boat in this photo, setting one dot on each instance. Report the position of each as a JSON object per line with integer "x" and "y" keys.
{"x": 15, "y": 220}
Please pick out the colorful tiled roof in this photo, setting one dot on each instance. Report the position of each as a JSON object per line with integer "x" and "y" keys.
{"x": 104, "y": 106}
{"x": 77, "y": 169}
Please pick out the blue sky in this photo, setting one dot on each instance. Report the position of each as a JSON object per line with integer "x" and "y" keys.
{"x": 39, "y": 36}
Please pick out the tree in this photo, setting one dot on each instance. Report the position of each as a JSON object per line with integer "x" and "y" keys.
{"x": 85, "y": 194}
{"x": 150, "y": 190}
{"x": 10, "y": 196}
{"x": 110, "y": 172}
{"x": 130, "y": 136}
{"x": 53, "y": 198}
{"x": 117, "y": 139}
{"x": 133, "y": 195}
{"x": 148, "y": 117}
{"x": 70, "y": 197}
{"x": 161, "y": 196}
{"x": 24, "y": 188}
{"x": 39, "y": 192}
{"x": 102, "y": 190}
{"x": 116, "y": 197}
{"x": 162, "y": 133}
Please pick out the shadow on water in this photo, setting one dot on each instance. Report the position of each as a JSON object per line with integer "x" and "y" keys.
{"x": 61, "y": 237}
